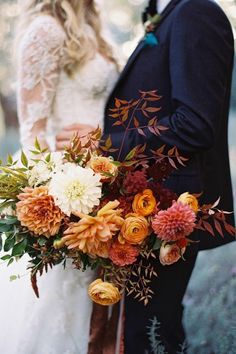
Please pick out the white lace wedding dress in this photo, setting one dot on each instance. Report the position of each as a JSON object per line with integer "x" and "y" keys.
{"x": 58, "y": 322}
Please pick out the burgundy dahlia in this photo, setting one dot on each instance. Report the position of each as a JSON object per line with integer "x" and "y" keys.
{"x": 135, "y": 182}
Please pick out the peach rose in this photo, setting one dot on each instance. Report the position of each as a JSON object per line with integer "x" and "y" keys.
{"x": 170, "y": 254}
{"x": 135, "y": 229}
{"x": 190, "y": 200}
{"x": 104, "y": 293}
{"x": 144, "y": 203}
{"x": 104, "y": 166}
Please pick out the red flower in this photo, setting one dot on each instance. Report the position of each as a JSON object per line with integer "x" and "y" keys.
{"x": 164, "y": 196}
{"x": 123, "y": 254}
{"x": 135, "y": 182}
{"x": 175, "y": 223}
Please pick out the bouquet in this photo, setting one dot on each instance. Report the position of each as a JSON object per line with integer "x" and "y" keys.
{"x": 99, "y": 212}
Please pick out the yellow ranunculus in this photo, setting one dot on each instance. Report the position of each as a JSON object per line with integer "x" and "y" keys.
{"x": 135, "y": 229}
{"x": 190, "y": 200}
{"x": 104, "y": 293}
{"x": 144, "y": 203}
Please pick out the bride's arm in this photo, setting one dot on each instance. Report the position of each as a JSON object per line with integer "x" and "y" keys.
{"x": 38, "y": 72}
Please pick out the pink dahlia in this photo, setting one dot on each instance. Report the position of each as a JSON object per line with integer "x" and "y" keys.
{"x": 123, "y": 254}
{"x": 175, "y": 223}
{"x": 135, "y": 182}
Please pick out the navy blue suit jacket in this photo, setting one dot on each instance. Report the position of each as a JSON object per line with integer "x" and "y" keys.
{"x": 191, "y": 68}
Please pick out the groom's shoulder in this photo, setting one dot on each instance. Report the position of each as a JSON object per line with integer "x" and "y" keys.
{"x": 200, "y": 14}
{"x": 204, "y": 8}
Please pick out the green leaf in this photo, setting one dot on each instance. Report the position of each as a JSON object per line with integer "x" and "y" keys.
{"x": 10, "y": 262}
{"x": 24, "y": 159}
{"x": 42, "y": 241}
{"x": 131, "y": 154}
{"x": 157, "y": 244}
{"x": 6, "y": 257}
{"x": 48, "y": 158}
{"x": 9, "y": 160}
{"x": 10, "y": 220}
{"x": 9, "y": 244}
{"x": 37, "y": 145}
{"x": 5, "y": 228}
{"x": 19, "y": 248}
{"x": 13, "y": 277}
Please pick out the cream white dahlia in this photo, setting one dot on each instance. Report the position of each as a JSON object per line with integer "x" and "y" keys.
{"x": 75, "y": 189}
{"x": 39, "y": 174}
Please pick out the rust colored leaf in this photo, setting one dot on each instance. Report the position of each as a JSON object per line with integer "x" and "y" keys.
{"x": 152, "y": 121}
{"x": 136, "y": 122}
{"x": 108, "y": 142}
{"x": 115, "y": 115}
{"x": 152, "y": 109}
{"x": 172, "y": 163}
{"x": 141, "y": 132}
{"x": 125, "y": 116}
{"x": 208, "y": 227}
{"x": 118, "y": 122}
{"x": 117, "y": 103}
{"x": 34, "y": 284}
{"x": 218, "y": 227}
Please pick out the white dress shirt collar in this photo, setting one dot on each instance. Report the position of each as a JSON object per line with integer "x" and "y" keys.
{"x": 161, "y": 5}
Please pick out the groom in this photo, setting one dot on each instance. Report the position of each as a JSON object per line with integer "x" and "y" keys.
{"x": 190, "y": 63}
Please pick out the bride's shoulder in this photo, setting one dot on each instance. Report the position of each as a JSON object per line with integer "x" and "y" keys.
{"x": 46, "y": 29}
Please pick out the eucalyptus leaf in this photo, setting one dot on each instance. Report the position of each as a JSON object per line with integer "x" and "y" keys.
{"x": 10, "y": 261}
{"x": 6, "y": 257}
{"x": 9, "y": 220}
{"x": 19, "y": 248}
{"x": 5, "y": 228}
{"x": 9, "y": 244}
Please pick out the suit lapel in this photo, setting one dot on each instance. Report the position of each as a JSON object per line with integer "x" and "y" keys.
{"x": 141, "y": 45}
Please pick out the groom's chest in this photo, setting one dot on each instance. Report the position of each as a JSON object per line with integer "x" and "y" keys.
{"x": 148, "y": 67}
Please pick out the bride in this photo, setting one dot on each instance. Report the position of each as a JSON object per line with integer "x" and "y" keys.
{"x": 66, "y": 71}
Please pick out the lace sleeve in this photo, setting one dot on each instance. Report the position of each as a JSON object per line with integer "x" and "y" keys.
{"x": 38, "y": 72}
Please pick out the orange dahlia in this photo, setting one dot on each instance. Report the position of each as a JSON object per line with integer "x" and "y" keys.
{"x": 175, "y": 223}
{"x": 37, "y": 211}
{"x": 123, "y": 254}
{"x": 92, "y": 234}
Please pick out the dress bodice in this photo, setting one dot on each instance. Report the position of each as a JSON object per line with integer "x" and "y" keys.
{"x": 49, "y": 99}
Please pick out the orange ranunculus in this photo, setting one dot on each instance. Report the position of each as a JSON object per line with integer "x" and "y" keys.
{"x": 144, "y": 203}
{"x": 104, "y": 166}
{"x": 135, "y": 229}
{"x": 170, "y": 253}
{"x": 190, "y": 200}
{"x": 104, "y": 293}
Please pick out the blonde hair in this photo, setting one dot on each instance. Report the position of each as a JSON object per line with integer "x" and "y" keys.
{"x": 74, "y": 16}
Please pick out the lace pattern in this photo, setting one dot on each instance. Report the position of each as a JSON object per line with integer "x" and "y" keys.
{"x": 39, "y": 68}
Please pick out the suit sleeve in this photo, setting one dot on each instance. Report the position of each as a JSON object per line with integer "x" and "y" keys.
{"x": 200, "y": 64}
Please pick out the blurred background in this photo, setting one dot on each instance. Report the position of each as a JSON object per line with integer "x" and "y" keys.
{"x": 210, "y": 316}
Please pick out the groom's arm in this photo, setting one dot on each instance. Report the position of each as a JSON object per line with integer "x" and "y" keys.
{"x": 200, "y": 65}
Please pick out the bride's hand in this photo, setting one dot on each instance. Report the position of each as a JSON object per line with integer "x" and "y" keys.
{"x": 64, "y": 137}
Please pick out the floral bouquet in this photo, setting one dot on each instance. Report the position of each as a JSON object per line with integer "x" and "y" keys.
{"x": 85, "y": 206}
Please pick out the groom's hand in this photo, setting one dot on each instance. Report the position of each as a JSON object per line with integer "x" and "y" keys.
{"x": 64, "y": 137}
